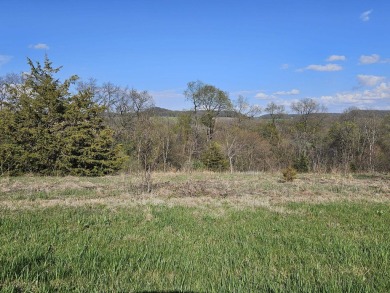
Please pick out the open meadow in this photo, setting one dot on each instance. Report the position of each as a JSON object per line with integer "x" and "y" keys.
{"x": 195, "y": 232}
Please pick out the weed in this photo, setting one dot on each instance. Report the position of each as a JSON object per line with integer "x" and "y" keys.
{"x": 289, "y": 174}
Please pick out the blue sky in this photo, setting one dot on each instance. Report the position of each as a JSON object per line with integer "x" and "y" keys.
{"x": 337, "y": 52}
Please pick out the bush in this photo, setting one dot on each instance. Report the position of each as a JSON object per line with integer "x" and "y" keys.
{"x": 289, "y": 174}
{"x": 213, "y": 158}
{"x": 198, "y": 165}
{"x": 301, "y": 164}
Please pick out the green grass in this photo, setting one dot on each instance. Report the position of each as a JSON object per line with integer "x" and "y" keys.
{"x": 199, "y": 232}
{"x": 314, "y": 248}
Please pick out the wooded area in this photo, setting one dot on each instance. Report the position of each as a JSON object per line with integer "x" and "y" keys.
{"x": 78, "y": 127}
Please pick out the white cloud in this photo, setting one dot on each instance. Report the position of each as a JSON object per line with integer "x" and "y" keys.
{"x": 244, "y": 92}
{"x": 4, "y": 59}
{"x": 285, "y": 66}
{"x": 381, "y": 93}
{"x": 287, "y": 93}
{"x": 327, "y": 67}
{"x": 276, "y": 95}
{"x": 39, "y": 46}
{"x": 365, "y": 16}
{"x": 336, "y": 58}
{"x": 369, "y": 59}
{"x": 369, "y": 80}
{"x": 263, "y": 96}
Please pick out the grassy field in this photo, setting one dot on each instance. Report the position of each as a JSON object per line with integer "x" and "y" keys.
{"x": 199, "y": 232}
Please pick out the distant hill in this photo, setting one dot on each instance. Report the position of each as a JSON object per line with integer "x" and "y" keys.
{"x": 285, "y": 116}
{"x": 379, "y": 113}
{"x": 162, "y": 112}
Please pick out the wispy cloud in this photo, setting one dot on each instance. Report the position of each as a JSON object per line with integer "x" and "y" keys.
{"x": 362, "y": 98}
{"x": 369, "y": 59}
{"x": 372, "y": 59}
{"x": 369, "y": 80}
{"x": 376, "y": 97}
{"x": 326, "y": 67}
{"x": 333, "y": 58}
{"x": 39, "y": 46}
{"x": 285, "y": 66}
{"x": 276, "y": 95}
{"x": 365, "y": 16}
{"x": 167, "y": 94}
{"x": 4, "y": 59}
{"x": 293, "y": 92}
{"x": 264, "y": 96}
{"x": 244, "y": 92}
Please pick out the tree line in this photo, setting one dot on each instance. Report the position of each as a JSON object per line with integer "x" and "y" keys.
{"x": 78, "y": 127}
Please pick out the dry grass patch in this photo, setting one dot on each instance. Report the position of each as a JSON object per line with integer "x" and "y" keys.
{"x": 192, "y": 189}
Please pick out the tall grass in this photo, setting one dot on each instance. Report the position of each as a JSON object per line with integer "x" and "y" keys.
{"x": 332, "y": 247}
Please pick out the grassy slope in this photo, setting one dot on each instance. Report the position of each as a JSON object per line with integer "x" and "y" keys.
{"x": 178, "y": 243}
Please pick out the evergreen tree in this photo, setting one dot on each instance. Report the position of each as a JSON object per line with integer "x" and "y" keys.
{"x": 40, "y": 104}
{"x": 301, "y": 164}
{"x": 88, "y": 146}
{"x": 44, "y": 129}
{"x": 213, "y": 158}
{"x": 10, "y": 152}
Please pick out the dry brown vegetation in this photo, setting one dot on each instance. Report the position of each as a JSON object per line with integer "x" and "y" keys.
{"x": 192, "y": 189}
{"x": 320, "y": 232}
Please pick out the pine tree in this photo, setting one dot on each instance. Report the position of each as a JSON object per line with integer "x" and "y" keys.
{"x": 40, "y": 107}
{"x": 88, "y": 146}
{"x": 10, "y": 152}
{"x": 213, "y": 158}
{"x": 44, "y": 129}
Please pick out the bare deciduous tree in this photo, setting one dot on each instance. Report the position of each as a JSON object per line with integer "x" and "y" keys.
{"x": 6, "y": 83}
{"x": 307, "y": 126}
{"x": 243, "y": 109}
{"x": 141, "y": 102}
{"x": 275, "y": 111}
{"x": 192, "y": 93}
{"x": 108, "y": 95}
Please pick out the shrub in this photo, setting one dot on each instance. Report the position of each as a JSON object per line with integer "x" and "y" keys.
{"x": 301, "y": 164}
{"x": 289, "y": 174}
{"x": 213, "y": 158}
{"x": 198, "y": 165}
